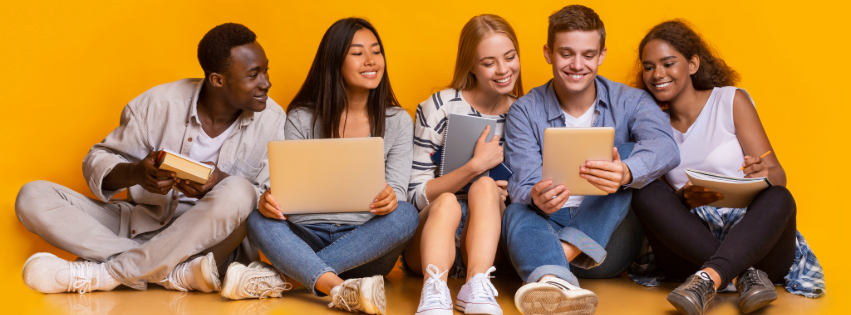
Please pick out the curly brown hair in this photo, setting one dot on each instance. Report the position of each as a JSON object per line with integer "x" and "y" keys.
{"x": 713, "y": 71}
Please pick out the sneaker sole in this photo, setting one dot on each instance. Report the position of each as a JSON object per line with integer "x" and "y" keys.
{"x": 757, "y": 301}
{"x": 684, "y": 305}
{"x": 375, "y": 296}
{"x": 478, "y": 309}
{"x": 229, "y": 285}
{"x": 547, "y": 300}
{"x": 27, "y": 265}
{"x": 211, "y": 274}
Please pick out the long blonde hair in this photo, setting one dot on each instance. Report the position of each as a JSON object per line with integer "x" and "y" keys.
{"x": 477, "y": 29}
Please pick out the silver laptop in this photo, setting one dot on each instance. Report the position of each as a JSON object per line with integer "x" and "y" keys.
{"x": 326, "y": 175}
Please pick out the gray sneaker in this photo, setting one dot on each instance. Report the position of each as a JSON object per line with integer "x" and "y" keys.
{"x": 693, "y": 296}
{"x": 204, "y": 275}
{"x": 755, "y": 290}
{"x": 253, "y": 282}
{"x": 360, "y": 295}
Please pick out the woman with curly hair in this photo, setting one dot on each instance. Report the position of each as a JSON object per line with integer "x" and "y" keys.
{"x": 717, "y": 129}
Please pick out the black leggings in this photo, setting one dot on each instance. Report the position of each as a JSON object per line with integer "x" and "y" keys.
{"x": 682, "y": 244}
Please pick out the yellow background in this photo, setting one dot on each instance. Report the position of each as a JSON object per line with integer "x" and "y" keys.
{"x": 67, "y": 69}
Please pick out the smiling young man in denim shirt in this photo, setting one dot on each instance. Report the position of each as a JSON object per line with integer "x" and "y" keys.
{"x": 546, "y": 232}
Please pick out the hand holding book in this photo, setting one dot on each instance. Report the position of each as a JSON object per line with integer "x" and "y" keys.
{"x": 196, "y": 190}
{"x": 152, "y": 178}
{"x": 697, "y": 196}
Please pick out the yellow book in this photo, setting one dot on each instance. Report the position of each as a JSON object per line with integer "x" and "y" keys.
{"x": 184, "y": 167}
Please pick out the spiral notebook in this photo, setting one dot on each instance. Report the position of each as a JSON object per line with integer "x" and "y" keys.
{"x": 462, "y": 133}
{"x": 737, "y": 192}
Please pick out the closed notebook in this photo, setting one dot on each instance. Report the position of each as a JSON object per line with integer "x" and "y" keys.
{"x": 737, "y": 192}
{"x": 463, "y": 131}
{"x": 183, "y": 166}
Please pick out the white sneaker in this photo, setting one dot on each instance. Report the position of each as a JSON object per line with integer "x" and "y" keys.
{"x": 552, "y": 295}
{"x": 435, "y": 298}
{"x": 478, "y": 296}
{"x": 360, "y": 295}
{"x": 46, "y": 273}
{"x": 199, "y": 274}
{"x": 253, "y": 282}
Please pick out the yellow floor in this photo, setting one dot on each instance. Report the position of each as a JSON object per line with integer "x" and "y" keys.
{"x": 617, "y": 296}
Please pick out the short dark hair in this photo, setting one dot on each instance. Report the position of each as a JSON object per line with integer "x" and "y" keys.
{"x": 214, "y": 48}
{"x": 575, "y": 18}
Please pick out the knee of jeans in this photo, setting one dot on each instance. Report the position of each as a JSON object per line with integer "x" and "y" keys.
{"x": 235, "y": 197}
{"x": 445, "y": 205}
{"x": 407, "y": 216}
{"x": 514, "y": 213}
{"x": 26, "y": 204}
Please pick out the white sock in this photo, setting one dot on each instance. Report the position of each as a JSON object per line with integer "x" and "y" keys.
{"x": 703, "y": 275}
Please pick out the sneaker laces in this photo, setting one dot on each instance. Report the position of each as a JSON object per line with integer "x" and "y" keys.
{"x": 433, "y": 288}
{"x": 263, "y": 287}
{"x": 347, "y": 293}
{"x": 82, "y": 273}
{"x": 176, "y": 279}
{"x": 752, "y": 278}
{"x": 481, "y": 287}
{"x": 700, "y": 287}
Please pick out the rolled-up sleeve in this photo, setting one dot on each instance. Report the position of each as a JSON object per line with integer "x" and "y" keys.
{"x": 125, "y": 144}
{"x": 655, "y": 152}
{"x": 522, "y": 155}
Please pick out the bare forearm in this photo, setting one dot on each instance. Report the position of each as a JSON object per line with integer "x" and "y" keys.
{"x": 121, "y": 176}
{"x": 777, "y": 175}
{"x": 451, "y": 182}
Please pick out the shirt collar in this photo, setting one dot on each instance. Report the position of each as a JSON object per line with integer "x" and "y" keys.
{"x": 552, "y": 107}
{"x": 245, "y": 118}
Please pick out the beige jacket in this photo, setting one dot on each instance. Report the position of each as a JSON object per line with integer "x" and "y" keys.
{"x": 165, "y": 117}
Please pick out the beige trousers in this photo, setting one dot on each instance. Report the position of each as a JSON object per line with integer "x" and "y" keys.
{"x": 97, "y": 230}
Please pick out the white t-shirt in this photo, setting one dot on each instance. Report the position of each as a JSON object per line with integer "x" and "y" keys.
{"x": 206, "y": 149}
{"x": 583, "y": 121}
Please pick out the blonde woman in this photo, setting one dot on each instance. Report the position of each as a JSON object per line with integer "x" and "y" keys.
{"x": 458, "y": 233}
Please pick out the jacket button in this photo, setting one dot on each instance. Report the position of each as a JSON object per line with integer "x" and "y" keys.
{"x": 190, "y": 139}
{"x": 133, "y": 232}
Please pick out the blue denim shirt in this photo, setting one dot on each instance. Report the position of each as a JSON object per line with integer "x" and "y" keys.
{"x": 631, "y": 112}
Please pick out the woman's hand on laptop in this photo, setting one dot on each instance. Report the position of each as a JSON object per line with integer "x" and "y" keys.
{"x": 608, "y": 176}
{"x": 268, "y": 207}
{"x": 385, "y": 202}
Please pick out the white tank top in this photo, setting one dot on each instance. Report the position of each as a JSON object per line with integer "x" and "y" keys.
{"x": 710, "y": 144}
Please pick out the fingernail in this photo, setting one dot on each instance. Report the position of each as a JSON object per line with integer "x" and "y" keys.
{"x": 375, "y": 200}
{"x": 371, "y": 206}
{"x": 373, "y": 211}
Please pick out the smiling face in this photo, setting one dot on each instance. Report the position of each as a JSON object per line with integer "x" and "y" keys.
{"x": 666, "y": 71}
{"x": 497, "y": 64}
{"x": 246, "y": 80}
{"x": 363, "y": 67}
{"x": 575, "y": 57}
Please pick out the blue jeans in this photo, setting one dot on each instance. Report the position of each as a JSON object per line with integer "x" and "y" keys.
{"x": 533, "y": 240}
{"x": 305, "y": 252}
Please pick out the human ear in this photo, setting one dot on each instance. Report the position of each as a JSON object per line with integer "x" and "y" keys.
{"x": 602, "y": 56}
{"x": 693, "y": 64}
{"x": 217, "y": 79}
{"x": 548, "y": 54}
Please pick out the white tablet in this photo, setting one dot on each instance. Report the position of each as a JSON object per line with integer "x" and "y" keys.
{"x": 567, "y": 149}
{"x": 326, "y": 175}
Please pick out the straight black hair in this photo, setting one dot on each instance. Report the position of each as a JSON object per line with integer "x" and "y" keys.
{"x": 324, "y": 90}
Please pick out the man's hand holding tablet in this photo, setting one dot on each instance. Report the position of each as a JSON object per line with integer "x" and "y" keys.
{"x": 608, "y": 176}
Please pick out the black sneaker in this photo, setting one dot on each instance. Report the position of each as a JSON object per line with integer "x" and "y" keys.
{"x": 755, "y": 290}
{"x": 693, "y": 296}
